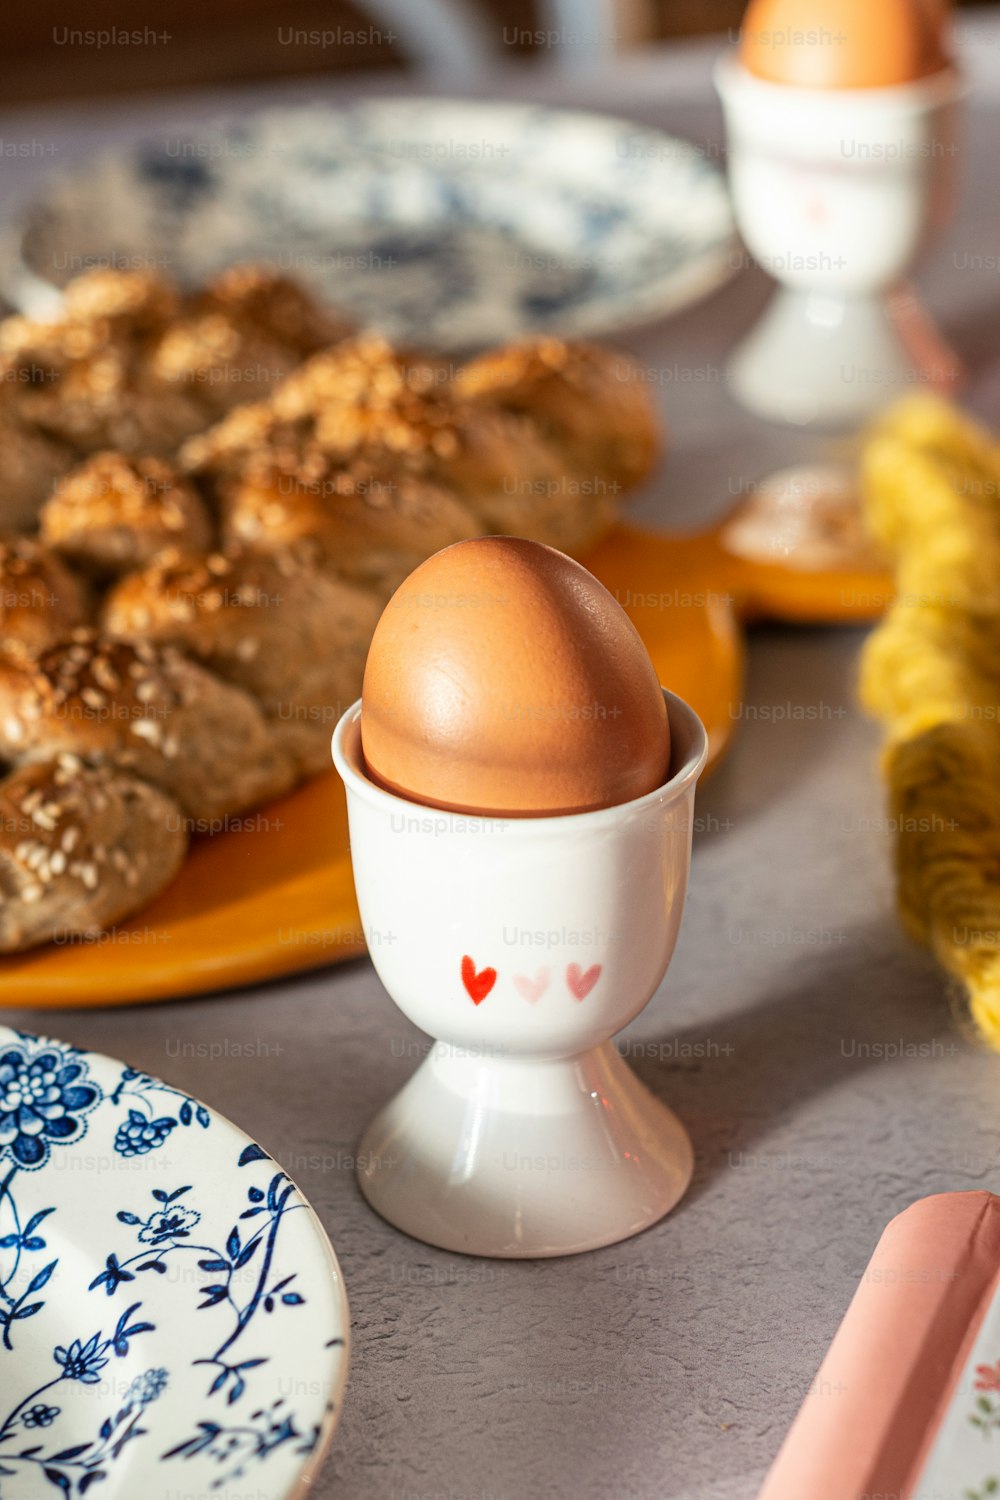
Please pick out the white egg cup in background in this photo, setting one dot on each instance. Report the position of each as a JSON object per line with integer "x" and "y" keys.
{"x": 523, "y": 945}
{"x": 835, "y": 192}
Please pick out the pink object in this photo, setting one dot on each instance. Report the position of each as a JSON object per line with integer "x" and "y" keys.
{"x": 532, "y": 989}
{"x": 580, "y": 983}
{"x": 868, "y": 1422}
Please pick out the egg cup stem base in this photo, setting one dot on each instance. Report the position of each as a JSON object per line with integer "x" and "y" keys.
{"x": 821, "y": 359}
{"x": 521, "y": 1158}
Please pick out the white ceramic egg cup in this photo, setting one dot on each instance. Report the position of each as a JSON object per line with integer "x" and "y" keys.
{"x": 835, "y": 192}
{"x": 523, "y": 945}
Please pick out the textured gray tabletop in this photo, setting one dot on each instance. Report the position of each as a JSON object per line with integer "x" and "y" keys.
{"x": 806, "y": 1045}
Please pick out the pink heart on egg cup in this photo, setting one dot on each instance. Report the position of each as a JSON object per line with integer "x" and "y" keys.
{"x": 522, "y": 945}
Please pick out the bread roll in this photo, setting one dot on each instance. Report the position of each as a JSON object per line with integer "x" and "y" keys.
{"x": 590, "y": 399}
{"x": 112, "y": 514}
{"x": 41, "y": 601}
{"x": 242, "y": 336}
{"x": 84, "y": 378}
{"x": 370, "y": 460}
{"x": 282, "y": 309}
{"x": 126, "y": 302}
{"x": 146, "y": 710}
{"x": 369, "y": 520}
{"x": 296, "y": 641}
{"x": 30, "y": 463}
{"x": 102, "y": 399}
{"x": 80, "y": 848}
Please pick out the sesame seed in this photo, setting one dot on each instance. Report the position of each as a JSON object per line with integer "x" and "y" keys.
{"x": 147, "y": 729}
{"x": 106, "y": 676}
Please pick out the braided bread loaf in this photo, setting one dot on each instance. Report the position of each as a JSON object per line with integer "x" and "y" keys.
{"x": 134, "y": 366}
{"x": 196, "y": 608}
{"x": 366, "y": 461}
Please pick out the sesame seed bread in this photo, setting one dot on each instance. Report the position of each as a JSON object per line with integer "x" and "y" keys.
{"x": 102, "y": 397}
{"x": 134, "y": 365}
{"x": 41, "y": 600}
{"x": 81, "y": 847}
{"x": 196, "y": 608}
{"x": 337, "y": 465}
{"x": 242, "y": 336}
{"x": 590, "y": 400}
{"x": 278, "y": 306}
{"x": 367, "y": 460}
{"x": 292, "y": 638}
{"x": 147, "y": 710}
{"x": 30, "y": 464}
{"x": 370, "y": 523}
{"x": 112, "y": 514}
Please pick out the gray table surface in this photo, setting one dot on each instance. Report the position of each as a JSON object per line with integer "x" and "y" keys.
{"x": 805, "y": 1043}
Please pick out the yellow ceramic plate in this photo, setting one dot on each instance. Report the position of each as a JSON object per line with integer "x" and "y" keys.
{"x": 276, "y": 896}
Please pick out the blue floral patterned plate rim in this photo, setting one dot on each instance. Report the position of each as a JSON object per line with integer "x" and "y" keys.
{"x": 448, "y": 222}
{"x": 172, "y": 1316}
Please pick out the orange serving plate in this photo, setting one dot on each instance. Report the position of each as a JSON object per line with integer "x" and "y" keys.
{"x": 275, "y": 895}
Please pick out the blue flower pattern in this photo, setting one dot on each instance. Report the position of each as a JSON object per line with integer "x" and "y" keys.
{"x": 46, "y": 1094}
{"x": 75, "y": 1468}
{"x": 168, "y": 1224}
{"x": 82, "y": 1361}
{"x": 431, "y": 248}
{"x": 43, "y": 1098}
{"x": 40, "y": 1415}
{"x": 138, "y": 1136}
{"x": 143, "y": 1131}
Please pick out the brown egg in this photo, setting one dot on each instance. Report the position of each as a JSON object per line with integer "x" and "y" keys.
{"x": 844, "y": 44}
{"x": 503, "y": 679}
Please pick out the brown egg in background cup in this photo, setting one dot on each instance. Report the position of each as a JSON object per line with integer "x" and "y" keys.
{"x": 843, "y": 157}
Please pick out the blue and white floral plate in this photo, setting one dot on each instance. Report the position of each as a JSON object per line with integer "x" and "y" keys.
{"x": 172, "y": 1317}
{"x": 450, "y": 223}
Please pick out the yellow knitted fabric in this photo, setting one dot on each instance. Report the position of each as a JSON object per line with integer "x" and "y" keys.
{"x": 931, "y": 674}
